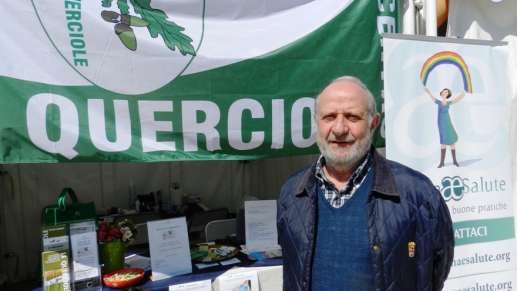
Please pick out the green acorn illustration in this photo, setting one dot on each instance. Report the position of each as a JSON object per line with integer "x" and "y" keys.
{"x": 114, "y": 17}
{"x": 155, "y": 20}
{"x": 126, "y": 35}
{"x": 110, "y": 16}
{"x": 123, "y": 23}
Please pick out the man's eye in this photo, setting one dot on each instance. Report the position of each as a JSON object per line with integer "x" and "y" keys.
{"x": 354, "y": 118}
{"x": 329, "y": 117}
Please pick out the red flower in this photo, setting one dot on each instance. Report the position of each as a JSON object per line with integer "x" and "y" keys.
{"x": 115, "y": 233}
{"x": 123, "y": 230}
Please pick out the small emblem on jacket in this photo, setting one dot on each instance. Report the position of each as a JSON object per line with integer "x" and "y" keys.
{"x": 411, "y": 247}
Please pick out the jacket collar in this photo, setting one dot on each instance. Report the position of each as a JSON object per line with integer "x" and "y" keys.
{"x": 384, "y": 182}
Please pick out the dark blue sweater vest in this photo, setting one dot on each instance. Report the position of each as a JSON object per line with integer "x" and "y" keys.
{"x": 342, "y": 255}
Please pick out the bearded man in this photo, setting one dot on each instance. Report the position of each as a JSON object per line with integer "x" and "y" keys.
{"x": 354, "y": 220}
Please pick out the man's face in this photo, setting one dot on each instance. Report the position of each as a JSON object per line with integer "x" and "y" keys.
{"x": 344, "y": 129}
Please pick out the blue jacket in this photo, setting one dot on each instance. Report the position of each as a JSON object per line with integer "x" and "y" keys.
{"x": 404, "y": 210}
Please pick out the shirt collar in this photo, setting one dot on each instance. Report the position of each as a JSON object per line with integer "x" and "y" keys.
{"x": 384, "y": 182}
{"x": 356, "y": 178}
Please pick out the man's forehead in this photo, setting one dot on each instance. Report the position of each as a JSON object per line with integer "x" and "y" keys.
{"x": 344, "y": 92}
{"x": 346, "y": 86}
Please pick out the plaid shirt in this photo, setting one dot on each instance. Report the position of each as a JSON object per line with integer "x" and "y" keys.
{"x": 335, "y": 197}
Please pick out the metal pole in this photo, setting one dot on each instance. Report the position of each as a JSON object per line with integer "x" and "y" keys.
{"x": 430, "y": 18}
{"x": 409, "y": 18}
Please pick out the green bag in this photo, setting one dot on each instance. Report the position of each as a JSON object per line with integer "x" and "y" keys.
{"x": 67, "y": 213}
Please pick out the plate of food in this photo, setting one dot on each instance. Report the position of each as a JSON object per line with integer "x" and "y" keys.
{"x": 123, "y": 278}
{"x": 211, "y": 253}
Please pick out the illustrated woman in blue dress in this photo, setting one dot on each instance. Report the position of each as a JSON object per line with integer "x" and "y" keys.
{"x": 448, "y": 136}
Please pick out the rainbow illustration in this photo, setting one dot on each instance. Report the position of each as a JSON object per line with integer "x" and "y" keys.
{"x": 450, "y": 58}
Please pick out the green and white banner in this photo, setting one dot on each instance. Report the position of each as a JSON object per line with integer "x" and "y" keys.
{"x": 447, "y": 115}
{"x": 141, "y": 80}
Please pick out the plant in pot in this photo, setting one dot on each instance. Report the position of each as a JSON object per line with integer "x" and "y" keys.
{"x": 113, "y": 239}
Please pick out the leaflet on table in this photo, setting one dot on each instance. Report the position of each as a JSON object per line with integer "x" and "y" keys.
{"x": 260, "y": 224}
{"x": 85, "y": 255}
{"x": 274, "y": 252}
{"x": 269, "y": 278}
{"x": 241, "y": 281}
{"x": 201, "y": 266}
{"x": 55, "y": 238}
{"x": 56, "y": 271}
{"x": 137, "y": 261}
{"x": 231, "y": 261}
{"x": 169, "y": 248}
{"x": 205, "y": 285}
{"x": 55, "y": 258}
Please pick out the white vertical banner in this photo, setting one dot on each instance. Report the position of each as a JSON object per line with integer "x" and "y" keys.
{"x": 447, "y": 115}
{"x": 503, "y": 281}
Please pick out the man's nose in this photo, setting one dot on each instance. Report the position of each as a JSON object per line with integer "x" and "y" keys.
{"x": 340, "y": 126}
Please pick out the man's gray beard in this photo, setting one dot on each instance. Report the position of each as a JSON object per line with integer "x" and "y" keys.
{"x": 351, "y": 159}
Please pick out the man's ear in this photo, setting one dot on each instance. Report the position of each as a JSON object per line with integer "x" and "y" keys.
{"x": 375, "y": 121}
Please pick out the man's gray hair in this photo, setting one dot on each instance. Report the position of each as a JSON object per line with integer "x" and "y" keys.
{"x": 372, "y": 104}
